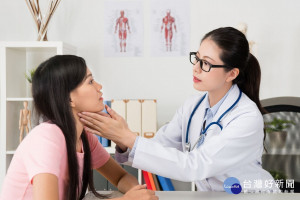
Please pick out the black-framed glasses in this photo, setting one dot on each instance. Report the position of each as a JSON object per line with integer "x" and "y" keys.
{"x": 205, "y": 66}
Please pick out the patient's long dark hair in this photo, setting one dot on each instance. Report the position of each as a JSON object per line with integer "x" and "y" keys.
{"x": 52, "y": 84}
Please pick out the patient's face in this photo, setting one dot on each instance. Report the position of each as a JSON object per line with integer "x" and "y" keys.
{"x": 87, "y": 96}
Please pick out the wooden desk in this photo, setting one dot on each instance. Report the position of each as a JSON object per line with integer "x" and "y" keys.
{"x": 186, "y": 195}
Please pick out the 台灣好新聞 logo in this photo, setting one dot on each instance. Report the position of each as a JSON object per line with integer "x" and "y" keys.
{"x": 232, "y": 185}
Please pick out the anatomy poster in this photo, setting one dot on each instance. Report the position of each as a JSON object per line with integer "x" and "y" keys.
{"x": 170, "y": 29}
{"x": 123, "y": 28}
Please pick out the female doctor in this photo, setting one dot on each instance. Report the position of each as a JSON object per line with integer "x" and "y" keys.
{"x": 213, "y": 136}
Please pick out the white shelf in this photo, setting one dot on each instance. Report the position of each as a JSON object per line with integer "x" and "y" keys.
{"x": 20, "y": 99}
{"x": 10, "y": 152}
{"x": 110, "y": 150}
{"x": 16, "y": 59}
{"x": 33, "y": 45}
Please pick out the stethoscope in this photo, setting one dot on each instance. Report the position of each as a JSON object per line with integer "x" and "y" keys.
{"x": 203, "y": 131}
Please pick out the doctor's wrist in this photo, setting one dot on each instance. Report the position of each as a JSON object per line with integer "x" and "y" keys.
{"x": 128, "y": 139}
{"x": 121, "y": 148}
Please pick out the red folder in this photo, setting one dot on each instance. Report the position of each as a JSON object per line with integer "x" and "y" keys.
{"x": 147, "y": 181}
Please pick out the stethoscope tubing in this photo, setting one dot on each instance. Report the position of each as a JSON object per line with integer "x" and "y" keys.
{"x": 212, "y": 123}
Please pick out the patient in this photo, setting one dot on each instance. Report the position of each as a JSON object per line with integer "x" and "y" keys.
{"x": 56, "y": 159}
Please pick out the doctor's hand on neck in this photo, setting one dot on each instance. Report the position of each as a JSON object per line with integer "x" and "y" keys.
{"x": 113, "y": 128}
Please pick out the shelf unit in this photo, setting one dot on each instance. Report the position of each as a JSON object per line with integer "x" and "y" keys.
{"x": 17, "y": 58}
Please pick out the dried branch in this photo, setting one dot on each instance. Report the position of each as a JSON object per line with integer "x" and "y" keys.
{"x": 42, "y": 22}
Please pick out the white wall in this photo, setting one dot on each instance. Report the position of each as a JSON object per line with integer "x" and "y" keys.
{"x": 273, "y": 24}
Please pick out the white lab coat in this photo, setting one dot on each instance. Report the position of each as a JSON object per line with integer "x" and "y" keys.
{"x": 235, "y": 151}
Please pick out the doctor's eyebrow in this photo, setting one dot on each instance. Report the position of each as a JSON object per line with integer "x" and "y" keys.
{"x": 205, "y": 56}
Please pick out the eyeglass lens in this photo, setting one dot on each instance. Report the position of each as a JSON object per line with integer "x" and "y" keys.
{"x": 205, "y": 66}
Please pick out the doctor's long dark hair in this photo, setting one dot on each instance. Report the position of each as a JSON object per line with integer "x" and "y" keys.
{"x": 236, "y": 54}
{"x": 52, "y": 83}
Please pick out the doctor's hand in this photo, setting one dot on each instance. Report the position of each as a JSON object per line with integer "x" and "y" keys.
{"x": 139, "y": 192}
{"x": 114, "y": 128}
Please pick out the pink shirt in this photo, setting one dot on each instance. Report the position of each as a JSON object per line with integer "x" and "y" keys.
{"x": 44, "y": 151}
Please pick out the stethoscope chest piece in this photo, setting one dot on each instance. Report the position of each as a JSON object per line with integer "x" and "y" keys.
{"x": 187, "y": 146}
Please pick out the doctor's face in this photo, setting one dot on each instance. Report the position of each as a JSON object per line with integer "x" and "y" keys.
{"x": 87, "y": 96}
{"x": 216, "y": 78}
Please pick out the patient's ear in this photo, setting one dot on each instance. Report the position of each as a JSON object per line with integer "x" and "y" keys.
{"x": 72, "y": 103}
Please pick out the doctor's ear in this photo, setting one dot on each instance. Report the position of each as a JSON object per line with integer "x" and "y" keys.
{"x": 232, "y": 74}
